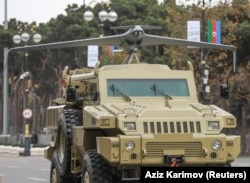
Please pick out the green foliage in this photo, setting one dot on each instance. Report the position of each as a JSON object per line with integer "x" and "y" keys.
{"x": 243, "y": 34}
{"x": 243, "y": 30}
{"x": 46, "y": 66}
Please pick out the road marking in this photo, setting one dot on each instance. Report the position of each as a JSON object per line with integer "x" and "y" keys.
{"x": 45, "y": 169}
{"x": 12, "y": 166}
{"x": 37, "y": 179}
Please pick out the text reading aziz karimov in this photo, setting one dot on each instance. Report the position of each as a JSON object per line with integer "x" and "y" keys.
{"x": 211, "y": 174}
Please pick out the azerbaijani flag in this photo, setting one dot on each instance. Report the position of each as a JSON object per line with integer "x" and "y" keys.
{"x": 214, "y": 32}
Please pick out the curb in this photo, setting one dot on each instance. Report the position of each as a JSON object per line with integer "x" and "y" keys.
{"x": 19, "y": 151}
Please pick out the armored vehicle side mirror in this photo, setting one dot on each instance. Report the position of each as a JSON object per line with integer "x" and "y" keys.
{"x": 224, "y": 91}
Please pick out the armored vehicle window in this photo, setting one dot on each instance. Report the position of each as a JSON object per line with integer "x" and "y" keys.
{"x": 143, "y": 87}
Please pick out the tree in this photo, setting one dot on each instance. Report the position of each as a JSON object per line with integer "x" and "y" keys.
{"x": 46, "y": 66}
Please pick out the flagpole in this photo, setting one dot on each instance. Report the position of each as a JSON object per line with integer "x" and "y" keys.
{"x": 203, "y": 27}
{"x": 202, "y": 64}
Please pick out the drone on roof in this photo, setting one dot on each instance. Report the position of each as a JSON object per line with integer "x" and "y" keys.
{"x": 129, "y": 42}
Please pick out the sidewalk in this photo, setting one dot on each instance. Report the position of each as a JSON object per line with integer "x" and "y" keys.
{"x": 19, "y": 151}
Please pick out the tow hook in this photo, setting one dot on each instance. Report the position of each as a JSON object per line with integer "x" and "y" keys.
{"x": 173, "y": 163}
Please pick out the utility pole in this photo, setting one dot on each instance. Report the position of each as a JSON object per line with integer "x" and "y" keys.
{"x": 5, "y": 76}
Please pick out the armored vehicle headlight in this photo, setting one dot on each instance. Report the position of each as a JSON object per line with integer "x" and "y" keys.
{"x": 213, "y": 125}
{"x": 230, "y": 121}
{"x": 216, "y": 145}
{"x": 129, "y": 126}
{"x": 130, "y": 145}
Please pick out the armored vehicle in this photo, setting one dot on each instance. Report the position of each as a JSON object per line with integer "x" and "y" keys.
{"x": 113, "y": 120}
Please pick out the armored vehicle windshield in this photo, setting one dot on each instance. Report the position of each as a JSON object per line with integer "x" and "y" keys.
{"x": 148, "y": 87}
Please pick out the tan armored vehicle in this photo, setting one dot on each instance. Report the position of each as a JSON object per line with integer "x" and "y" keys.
{"x": 113, "y": 120}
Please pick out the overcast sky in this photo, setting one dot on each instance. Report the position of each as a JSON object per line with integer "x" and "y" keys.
{"x": 35, "y": 10}
{"x": 40, "y": 11}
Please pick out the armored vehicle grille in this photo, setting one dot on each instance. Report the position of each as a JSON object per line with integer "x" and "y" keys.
{"x": 172, "y": 127}
{"x": 191, "y": 149}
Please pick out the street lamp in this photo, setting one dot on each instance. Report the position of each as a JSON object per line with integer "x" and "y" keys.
{"x": 103, "y": 15}
{"x": 25, "y": 38}
{"x": 27, "y": 113}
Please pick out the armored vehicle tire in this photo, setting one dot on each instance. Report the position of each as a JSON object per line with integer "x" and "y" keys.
{"x": 68, "y": 119}
{"x": 56, "y": 173}
{"x": 95, "y": 169}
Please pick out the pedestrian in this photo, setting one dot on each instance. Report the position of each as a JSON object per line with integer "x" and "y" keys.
{"x": 34, "y": 138}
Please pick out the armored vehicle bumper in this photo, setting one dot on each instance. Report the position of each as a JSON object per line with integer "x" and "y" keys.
{"x": 159, "y": 149}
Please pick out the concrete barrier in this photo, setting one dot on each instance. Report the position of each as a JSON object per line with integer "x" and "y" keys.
{"x": 37, "y": 151}
{"x": 18, "y": 151}
{"x": 14, "y": 151}
{"x": 4, "y": 149}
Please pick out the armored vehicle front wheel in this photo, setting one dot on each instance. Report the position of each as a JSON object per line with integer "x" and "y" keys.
{"x": 56, "y": 175}
{"x": 95, "y": 169}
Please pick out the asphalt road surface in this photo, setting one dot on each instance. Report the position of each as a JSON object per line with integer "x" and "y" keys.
{"x": 37, "y": 169}
{"x": 242, "y": 162}
{"x": 24, "y": 169}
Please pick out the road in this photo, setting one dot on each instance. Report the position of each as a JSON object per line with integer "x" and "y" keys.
{"x": 37, "y": 169}
{"x": 24, "y": 169}
{"x": 242, "y": 162}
